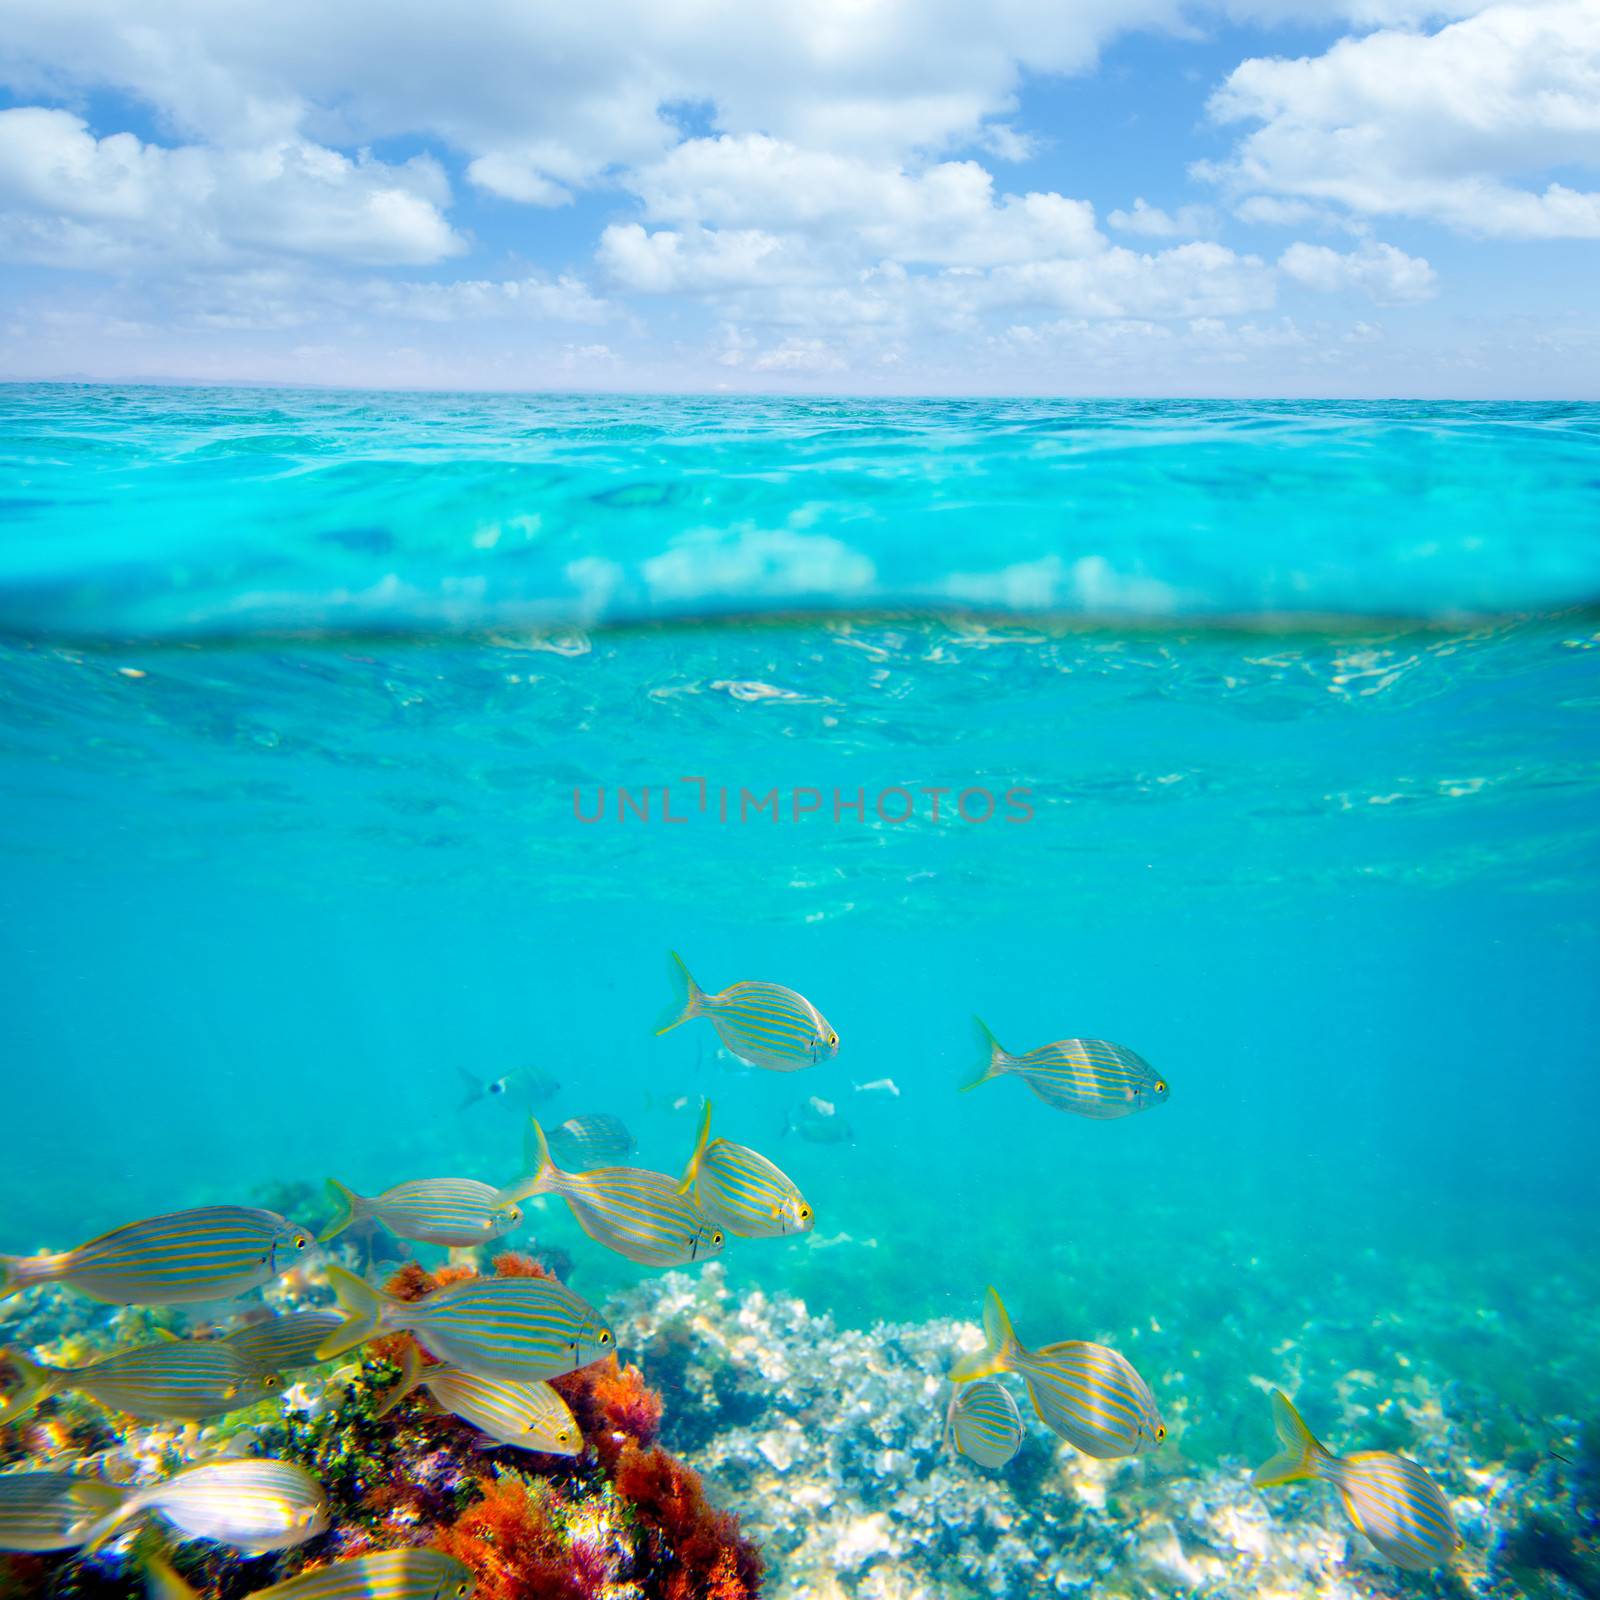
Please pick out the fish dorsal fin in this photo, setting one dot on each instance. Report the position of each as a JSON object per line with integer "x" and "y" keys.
{"x": 692, "y": 1171}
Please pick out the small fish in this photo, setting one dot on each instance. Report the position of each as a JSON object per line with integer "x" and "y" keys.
{"x": 743, "y": 1191}
{"x": 176, "y": 1380}
{"x": 527, "y": 1085}
{"x": 817, "y": 1121}
{"x": 641, "y": 1215}
{"x": 1092, "y": 1077}
{"x": 1389, "y": 1499}
{"x": 256, "y": 1505}
{"x": 409, "y": 1574}
{"x": 51, "y": 1510}
{"x": 447, "y": 1211}
{"x": 212, "y": 1253}
{"x": 984, "y": 1424}
{"x": 879, "y": 1086}
{"x": 1087, "y": 1393}
{"x": 591, "y": 1141}
{"x": 517, "y": 1328}
{"x": 526, "y": 1416}
{"x": 762, "y": 1023}
{"x": 280, "y": 1344}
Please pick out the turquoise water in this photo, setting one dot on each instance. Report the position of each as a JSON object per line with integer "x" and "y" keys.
{"x": 305, "y": 701}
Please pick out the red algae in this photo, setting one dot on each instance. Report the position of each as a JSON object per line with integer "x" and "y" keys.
{"x": 510, "y": 1541}
{"x": 697, "y": 1549}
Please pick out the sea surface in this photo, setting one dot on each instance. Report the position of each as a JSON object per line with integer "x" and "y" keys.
{"x": 350, "y": 743}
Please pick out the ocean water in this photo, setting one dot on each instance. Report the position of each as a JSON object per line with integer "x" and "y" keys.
{"x": 351, "y": 742}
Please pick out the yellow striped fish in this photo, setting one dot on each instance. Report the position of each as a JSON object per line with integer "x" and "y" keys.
{"x": 177, "y": 1380}
{"x": 415, "y": 1574}
{"x": 743, "y": 1191}
{"x": 50, "y": 1510}
{"x": 984, "y": 1423}
{"x": 526, "y": 1416}
{"x": 254, "y": 1505}
{"x": 211, "y": 1253}
{"x": 1389, "y": 1499}
{"x": 1087, "y": 1393}
{"x": 517, "y": 1328}
{"x": 639, "y": 1214}
{"x": 447, "y": 1211}
{"x": 762, "y": 1023}
{"x": 593, "y": 1141}
{"x": 280, "y": 1344}
{"x": 1092, "y": 1077}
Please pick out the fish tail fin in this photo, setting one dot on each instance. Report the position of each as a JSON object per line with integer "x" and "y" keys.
{"x": 1302, "y": 1455}
{"x": 97, "y": 1533}
{"x": 688, "y": 998}
{"x": 410, "y": 1377}
{"x": 472, "y": 1087}
{"x": 362, "y": 1306}
{"x": 1000, "y": 1344}
{"x": 541, "y": 1168}
{"x": 29, "y": 1383}
{"x": 162, "y": 1583}
{"x": 351, "y": 1207}
{"x": 692, "y": 1171}
{"x": 993, "y": 1056}
{"x": 22, "y": 1272}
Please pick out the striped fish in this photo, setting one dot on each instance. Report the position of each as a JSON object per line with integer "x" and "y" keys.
{"x": 414, "y": 1574}
{"x": 211, "y": 1253}
{"x": 1092, "y": 1077}
{"x": 639, "y": 1214}
{"x": 517, "y": 1328}
{"x": 526, "y": 1416}
{"x": 584, "y": 1143}
{"x": 254, "y": 1505}
{"x": 177, "y": 1380}
{"x": 984, "y": 1424}
{"x": 1389, "y": 1499}
{"x": 743, "y": 1191}
{"x": 280, "y": 1344}
{"x": 447, "y": 1211}
{"x": 50, "y": 1510}
{"x": 1088, "y": 1394}
{"x": 762, "y": 1023}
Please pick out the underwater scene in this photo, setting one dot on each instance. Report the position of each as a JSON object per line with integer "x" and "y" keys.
{"x": 701, "y": 998}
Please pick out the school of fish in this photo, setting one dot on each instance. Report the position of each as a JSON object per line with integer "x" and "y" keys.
{"x": 485, "y": 1348}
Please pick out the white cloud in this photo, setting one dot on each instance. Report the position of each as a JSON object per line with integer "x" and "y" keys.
{"x": 1386, "y": 274}
{"x": 692, "y": 261}
{"x": 1463, "y": 126}
{"x": 947, "y": 213}
{"x": 1187, "y": 222}
{"x": 563, "y": 299}
{"x": 1190, "y": 280}
{"x": 71, "y": 199}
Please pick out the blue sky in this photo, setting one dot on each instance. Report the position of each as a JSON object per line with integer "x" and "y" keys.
{"x": 1291, "y": 197}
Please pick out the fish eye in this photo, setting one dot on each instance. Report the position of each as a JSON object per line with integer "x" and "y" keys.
{"x": 833, "y": 1038}
{"x": 805, "y": 1213}
{"x": 716, "y": 1238}
{"x": 300, "y": 1241}
{"x": 605, "y": 1336}
{"x": 1161, "y": 1432}
{"x": 1161, "y": 1085}
{"x": 462, "y": 1589}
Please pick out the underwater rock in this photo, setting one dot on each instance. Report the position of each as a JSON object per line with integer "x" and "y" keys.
{"x": 827, "y": 1443}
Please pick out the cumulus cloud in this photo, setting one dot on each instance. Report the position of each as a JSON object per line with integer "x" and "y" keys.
{"x": 1386, "y": 274}
{"x": 1187, "y": 222}
{"x": 1463, "y": 125}
{"x": 71, "y": 199}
